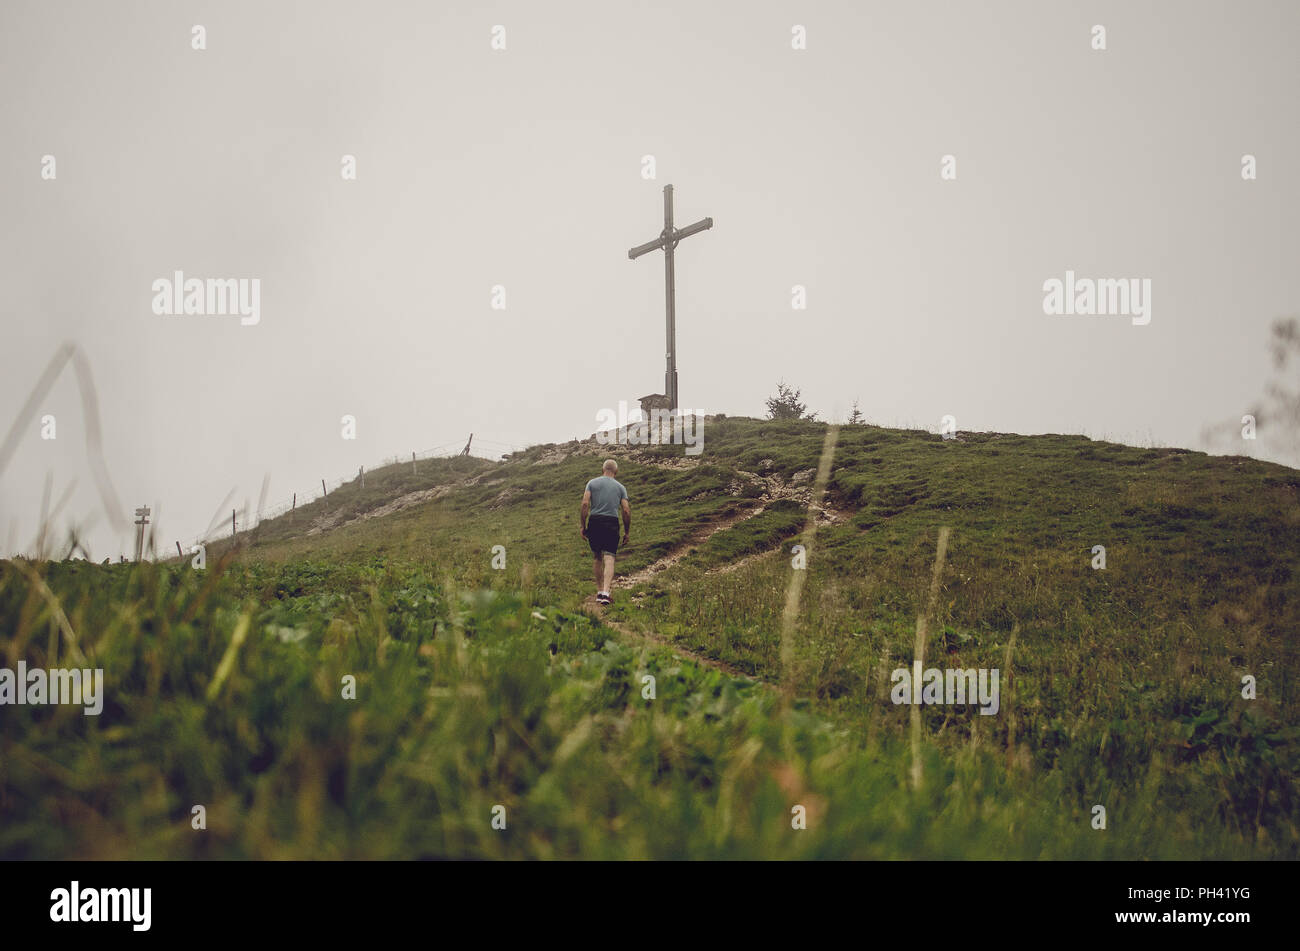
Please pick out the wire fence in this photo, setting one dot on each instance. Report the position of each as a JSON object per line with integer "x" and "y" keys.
{"x": 154, "y": 545}
{"x": 222, "y": 527}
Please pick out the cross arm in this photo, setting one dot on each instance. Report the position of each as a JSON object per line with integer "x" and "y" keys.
{"x": 646, "y": 248}
{"x": 704, "y": 224}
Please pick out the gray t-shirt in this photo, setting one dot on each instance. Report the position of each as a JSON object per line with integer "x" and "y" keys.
{"x": 606, "y": 495}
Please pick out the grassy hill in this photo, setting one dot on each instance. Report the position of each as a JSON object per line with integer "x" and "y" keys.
{"x": 478, "y": 687}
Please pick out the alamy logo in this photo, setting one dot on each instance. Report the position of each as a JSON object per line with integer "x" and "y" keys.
{"x": 103, "y": 904}
{"x": 1105, "y": 296}
{"x": 953, "y": 686}
{"x": 215, "y": 296}
{"x": 39, "y": 686}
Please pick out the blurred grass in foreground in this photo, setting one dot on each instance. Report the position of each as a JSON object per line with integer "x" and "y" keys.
{"x": 467, "y": 699}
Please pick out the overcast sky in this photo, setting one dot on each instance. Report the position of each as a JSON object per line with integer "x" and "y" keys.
{"x": 523, "y": 168}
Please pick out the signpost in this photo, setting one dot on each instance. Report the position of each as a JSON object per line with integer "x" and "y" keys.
{"x": 141, "y": 520}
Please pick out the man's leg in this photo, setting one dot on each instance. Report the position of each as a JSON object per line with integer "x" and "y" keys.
{"x": 609, "y": 572}
{"x": 595, "y": 573}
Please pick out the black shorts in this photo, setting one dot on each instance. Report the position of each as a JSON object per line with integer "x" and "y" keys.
{"x": 602, "y": 534}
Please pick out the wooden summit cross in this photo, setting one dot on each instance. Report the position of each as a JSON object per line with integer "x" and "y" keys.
{"x": 667, "y": 240}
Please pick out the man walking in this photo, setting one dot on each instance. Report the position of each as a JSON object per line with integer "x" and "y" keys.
{"x": 603, "y": 500}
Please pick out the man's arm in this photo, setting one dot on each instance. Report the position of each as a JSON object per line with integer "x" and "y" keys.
{"x": 627, "y": 519}
{"x": 582, "y": 513}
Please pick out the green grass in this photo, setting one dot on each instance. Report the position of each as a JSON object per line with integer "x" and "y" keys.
{"x": 1120, "y": 687}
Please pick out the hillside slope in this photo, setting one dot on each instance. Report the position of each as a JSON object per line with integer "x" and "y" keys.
{"x": 1139, "y": 662}
{"x": 1120, "y": 686}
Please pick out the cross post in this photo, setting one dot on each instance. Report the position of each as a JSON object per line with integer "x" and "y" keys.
{"x": 667, "y": 240}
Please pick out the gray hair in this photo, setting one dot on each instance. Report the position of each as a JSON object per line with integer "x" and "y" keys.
{"x": 610, "y": 466}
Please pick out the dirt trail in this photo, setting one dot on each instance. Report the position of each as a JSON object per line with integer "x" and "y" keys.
{"x": 332, "y": 520}
{"x": 592, "y": 607}
{"x": 825, "y": 516}
{"x": 774, "y": 486}
{"x": 742, "y": 562}
{"x": 682, "y": 549}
